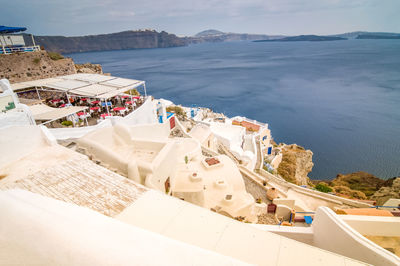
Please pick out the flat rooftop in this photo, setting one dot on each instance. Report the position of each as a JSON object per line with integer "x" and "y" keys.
{"x": 76, "y": 180}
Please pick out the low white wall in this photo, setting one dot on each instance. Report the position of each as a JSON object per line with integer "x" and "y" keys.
{"x": 276, "y": 161}
{"x": 373, "y": 225}
{"x": 19, "y": 141}
{"x": 144, "y": 114}
{"x": 154, "y": 132}
{"x": 333, "y": 234}
{"x": 77, "y": 132}
{"x": 301, "y": 234}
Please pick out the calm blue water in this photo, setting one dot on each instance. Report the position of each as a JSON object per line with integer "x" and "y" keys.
{"x": 340, "y": 99}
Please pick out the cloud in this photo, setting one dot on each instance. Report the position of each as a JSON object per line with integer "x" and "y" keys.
{"x": 75, "y": 17}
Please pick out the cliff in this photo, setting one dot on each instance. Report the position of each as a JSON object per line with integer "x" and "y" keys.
{"x": 114, "y": 41}
{"x": 296, "y": 164}
{"x": 89, "y": 68}
{"x": 34, "y": 65}
{"x": 390, "y": 189}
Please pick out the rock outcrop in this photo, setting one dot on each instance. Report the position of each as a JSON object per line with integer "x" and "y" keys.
{"x": 390, "y": 189}
{"x": 361, "y": 181}
{"x": 34, "y": 65}
{"x": 296, "y": 164}
{"x": 89, "y": 68}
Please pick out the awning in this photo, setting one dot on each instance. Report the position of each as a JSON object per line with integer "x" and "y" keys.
{"x": 84, "y": 85}
{"x": 6, "y": 29}
{"x": 43, "y": 112}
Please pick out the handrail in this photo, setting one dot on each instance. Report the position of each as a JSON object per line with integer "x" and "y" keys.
{"x": 393, "y": 207}
{"x": 21, "y": 49}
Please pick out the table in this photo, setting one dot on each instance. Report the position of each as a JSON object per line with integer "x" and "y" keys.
{"x": 104, "y": 115}
{"x": 119, "y": 108}
{"x": 84, "y": 99}
{"x": 80, "y": 113}
{"x": 125, "y": 96}
{"x": 94, "y": 108}
{"x": 56, "y": 101}
{"x": 95, "y": 102}
{"x": 62, "y": 105}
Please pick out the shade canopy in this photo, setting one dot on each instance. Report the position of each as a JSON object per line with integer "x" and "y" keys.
{"x": 43, "y": 112}
{"x": 6, "y": 29}
{"x": 84, "y": 85}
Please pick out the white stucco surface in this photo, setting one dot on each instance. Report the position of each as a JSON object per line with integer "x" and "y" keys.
{"x": 36, "y": 230}
{"x": 197, "y": 226}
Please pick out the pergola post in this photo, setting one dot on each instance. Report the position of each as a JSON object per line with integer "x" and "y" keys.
{"x": 33, "y": 40}
{"x": 38, "y": 94}
{"x": 145, "y": 92}
{"x": 2, "y": 45}
{"x": 108, "y": 110}
{"x": 84, "y": 112}
{"x": 68, "y": 98}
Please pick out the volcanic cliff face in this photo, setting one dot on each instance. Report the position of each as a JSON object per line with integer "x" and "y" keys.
{"x": 114, "y": 41}
{"x": 296, "y": 164}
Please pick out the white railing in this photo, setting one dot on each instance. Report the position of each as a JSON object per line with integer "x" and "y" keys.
{"x": 19, "y": 49}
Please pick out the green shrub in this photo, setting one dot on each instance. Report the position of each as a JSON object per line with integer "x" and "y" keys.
{"x": 323, "y": 188}
{"x": 177, "y": 110}
{"x": 134, "y": 92}
{"x": 36, "y": 60}
{"x": 66, "y": 123}
{"x": 55, "y": 56}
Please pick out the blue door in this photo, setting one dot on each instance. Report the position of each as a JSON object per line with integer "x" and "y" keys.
{"x": 269, "y": 150}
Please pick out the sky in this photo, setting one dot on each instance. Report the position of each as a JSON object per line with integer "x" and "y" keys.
{"x": 188, "y": 17}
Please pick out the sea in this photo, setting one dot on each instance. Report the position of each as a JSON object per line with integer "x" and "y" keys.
{"x": 340, "y": 99}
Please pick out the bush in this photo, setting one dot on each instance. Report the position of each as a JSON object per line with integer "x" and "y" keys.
{"x": 323, "y": 188}
{"x": 177, "y": 110}
{"x": 66, "y": 123}
{"x": 55, "y": 56}
{"x": 134, "y": 92}
{"x": 36, "y": 60}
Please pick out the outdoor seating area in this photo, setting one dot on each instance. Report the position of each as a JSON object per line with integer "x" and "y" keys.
{"x": 101, "y": 96}
{"x": 11, "y": 43}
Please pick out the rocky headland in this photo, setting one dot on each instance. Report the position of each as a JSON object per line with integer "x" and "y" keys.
{"x": 296, "y": 164}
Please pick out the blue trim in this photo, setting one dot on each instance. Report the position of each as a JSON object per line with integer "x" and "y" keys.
{"x": 169, "y": 114}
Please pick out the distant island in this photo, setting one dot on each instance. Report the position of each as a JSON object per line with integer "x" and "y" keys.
{"x": 381, "y": 37}
{"x": 303, "y": 38}
{"x": 140, "y": 39}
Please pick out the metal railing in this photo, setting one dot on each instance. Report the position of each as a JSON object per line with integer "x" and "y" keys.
{"x": 19, "y": 49}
